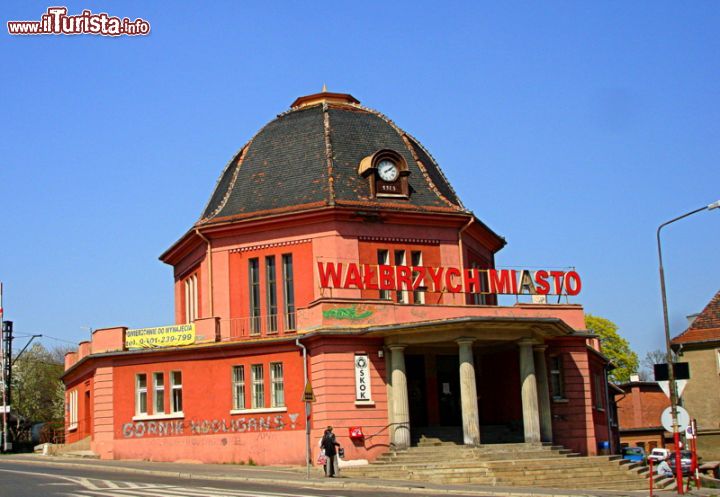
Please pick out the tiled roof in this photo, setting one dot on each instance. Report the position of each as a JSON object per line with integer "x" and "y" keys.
{"x": 310, "y": 156}
{"x": 706, "y": 327}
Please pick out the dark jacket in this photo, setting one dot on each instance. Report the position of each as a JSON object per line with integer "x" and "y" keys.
{"x": 329, "y": 443}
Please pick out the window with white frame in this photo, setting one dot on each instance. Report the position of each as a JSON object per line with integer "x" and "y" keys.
{"x": 288, "y": 291}
{"x": 717, "y": 357}
{"x": 258, "y": 386}
{"x": 238, "y": 380}
{"x": 254, "y": 294}
{"x": 401, "y": 260}
{"x": 383, "y": 257}
{"x": 599, "y": 391}
{"x": 159, "y": 393}
{"x": 176, "y": 403}
{"x": 73, "y": 410}
{"x": 141, "y": 394}
{"x": 557, "y": 379}
{"x": 277, "y": 384}
{"x": 191, "y": 298}
{"x": 271, "y": 293}
{"x": 416, "y": 260}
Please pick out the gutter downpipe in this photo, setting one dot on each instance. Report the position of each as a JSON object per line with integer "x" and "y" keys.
{"x": 460, "y": 243}
{"x": 210, "y": 271}
{"x": 307, "y": 410}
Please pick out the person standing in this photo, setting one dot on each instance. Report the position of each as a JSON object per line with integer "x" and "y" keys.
{"x": 329, "y": 445}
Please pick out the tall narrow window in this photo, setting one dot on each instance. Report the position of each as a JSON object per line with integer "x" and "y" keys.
{"x": 480, "y": 298}
{"x": 288, "y": 291}
{"x": 176, "y": 403}
{"x": 400, "y": 260}
{"x": 271, "y": 293}
{"x": 141, "y": 394}
{"x": 73, "y": 408}
{"x": 383, "y": 257}
{"x": 238, "y": 379}
{"x": 417, "y": 260}
{"x": 277, "y": 383}
{"x": 258, "y": 387}
{"x": 557, "y": 382}
{"x": 599, "y": 392}
{"x": 191, "y": 298}
{"x": 254, "y": 293}
{"x": 159, "y": 392}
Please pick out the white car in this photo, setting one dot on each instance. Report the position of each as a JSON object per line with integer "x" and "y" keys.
{"x": 658, "y": 454}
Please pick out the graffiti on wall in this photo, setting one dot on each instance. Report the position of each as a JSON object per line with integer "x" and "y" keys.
{"x": 346, "y": 313}
{"x": 150, "y": 428}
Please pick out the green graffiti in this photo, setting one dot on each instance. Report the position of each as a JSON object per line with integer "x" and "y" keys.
{"x": 346, "y": 313}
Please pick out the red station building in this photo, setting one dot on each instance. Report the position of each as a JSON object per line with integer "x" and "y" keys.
{"x": 334, "y": 253}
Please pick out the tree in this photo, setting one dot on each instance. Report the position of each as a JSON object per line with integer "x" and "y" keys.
{"x": 38, "y": 393}
{"x": 652, "y": 357}
{"x": 614, "y": 347}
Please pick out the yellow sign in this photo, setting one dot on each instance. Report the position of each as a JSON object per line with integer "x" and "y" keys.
{"x": 308, "y": 395}
{"x": 163, "y": 336}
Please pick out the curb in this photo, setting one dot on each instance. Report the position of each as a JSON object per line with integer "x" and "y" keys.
{"x": 327, "y": 484}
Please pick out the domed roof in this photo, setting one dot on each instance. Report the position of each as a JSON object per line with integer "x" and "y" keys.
{"x": 309, "y": 156}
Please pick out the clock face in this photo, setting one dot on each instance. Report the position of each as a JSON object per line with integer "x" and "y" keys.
{"x": 387, "y": 170}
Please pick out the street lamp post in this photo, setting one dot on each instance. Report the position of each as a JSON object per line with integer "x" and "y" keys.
{"x": 671, "y": 370}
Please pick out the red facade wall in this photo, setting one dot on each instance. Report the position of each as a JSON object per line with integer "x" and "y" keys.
{"x": 238, "y": 282}
{"x": 333, "y": 380}
{"x": 85, "y": 396}
{"x": 574, "y": 416}
{"x": 208, "y": 431}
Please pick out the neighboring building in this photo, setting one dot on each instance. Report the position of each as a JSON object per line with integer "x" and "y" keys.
{"x": 699, "y": 346}
{"x": 334, "y": 246}
{"x": 640, "y": 406}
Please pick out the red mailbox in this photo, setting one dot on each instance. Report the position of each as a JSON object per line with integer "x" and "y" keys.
{"x": 356, "y": 433}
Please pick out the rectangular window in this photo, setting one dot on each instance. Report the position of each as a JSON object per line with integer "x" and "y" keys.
{"x": 417, "y": 260}
{"x": 271, "y": 293}
{"x": 557, "y": 382}
{"x": 238, "y": 380}
{"x": 159, "y": 392}
{"x": 384, "y": 260}
{"x": 278, "y": 386}
{"x": 176, "y": 403}
{"x": 141, "y": 394}
{"x": 400, "y": 260}
{"x": 717, "y": 356}
{"x": 191, "y": 299}
{"x": 480, "y": 298}
{"x": 599, "y": 392}
{"x": 73, "y": 410}
{"x": 258, "y": 387}
{"x": 288, "y": 291}
{"x": 254, "y": 293}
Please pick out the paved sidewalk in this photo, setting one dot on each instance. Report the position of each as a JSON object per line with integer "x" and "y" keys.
{"x": 298, "y": 475}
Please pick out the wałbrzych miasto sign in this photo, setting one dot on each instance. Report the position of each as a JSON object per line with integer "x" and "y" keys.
{"x": 161, "y": 336}
{"x": 448, "y": 279}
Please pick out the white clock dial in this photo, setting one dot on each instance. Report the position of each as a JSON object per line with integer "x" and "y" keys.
{"x": 387, "y": 170}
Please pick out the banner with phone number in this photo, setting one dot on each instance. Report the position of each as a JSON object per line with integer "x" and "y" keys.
{"x": 162, "y": 336}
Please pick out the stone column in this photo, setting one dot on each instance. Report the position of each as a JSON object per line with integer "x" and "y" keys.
{"x": 468, "y": 393}
{"x": 400, "y": 409}
{"x": 543, "y": 393}
{"x": 531, "y": 417}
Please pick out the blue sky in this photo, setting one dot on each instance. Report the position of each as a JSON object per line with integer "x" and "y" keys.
{"x": 573, "y": 129}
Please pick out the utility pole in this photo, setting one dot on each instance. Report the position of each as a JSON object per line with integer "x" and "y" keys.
{"x": 5, "y": 372}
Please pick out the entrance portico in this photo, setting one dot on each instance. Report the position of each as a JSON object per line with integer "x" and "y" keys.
{"x": 418, "y": 379}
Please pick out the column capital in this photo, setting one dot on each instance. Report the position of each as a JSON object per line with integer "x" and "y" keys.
{"x": 526, "y": 342}
{"x": 397, "y": 346}
{"x": 465, "y": 340}
{"x": 540, "y": 348}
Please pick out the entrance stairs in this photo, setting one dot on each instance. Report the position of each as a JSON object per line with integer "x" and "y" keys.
{"x": 514, "y": 464}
